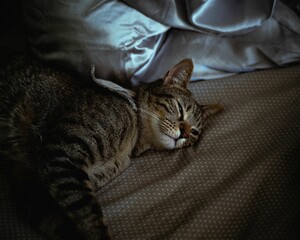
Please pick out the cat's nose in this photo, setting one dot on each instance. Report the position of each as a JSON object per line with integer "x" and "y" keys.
{"x": 183, "y": 134}
{"x": 185, "y": 130}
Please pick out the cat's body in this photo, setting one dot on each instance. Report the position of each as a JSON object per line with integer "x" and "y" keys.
{"x": 65, "y": 138}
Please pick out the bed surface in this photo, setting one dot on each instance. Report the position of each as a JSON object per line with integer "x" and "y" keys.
{"x": 240, "y": 182}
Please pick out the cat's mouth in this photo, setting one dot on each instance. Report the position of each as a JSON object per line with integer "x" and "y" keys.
{"x": 183, "y": 135}
{"x": 175, "y": 141}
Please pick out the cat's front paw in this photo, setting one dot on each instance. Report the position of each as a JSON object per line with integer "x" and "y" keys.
{"x": 139, "y": 149}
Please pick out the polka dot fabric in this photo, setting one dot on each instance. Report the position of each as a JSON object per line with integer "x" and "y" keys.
{"x": 239, "y": 182}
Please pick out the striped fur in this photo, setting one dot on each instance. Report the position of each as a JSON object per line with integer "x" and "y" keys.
{"x": 64, "y": 139}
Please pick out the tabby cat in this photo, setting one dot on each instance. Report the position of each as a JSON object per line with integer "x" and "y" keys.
{"x": 63, "y": 138}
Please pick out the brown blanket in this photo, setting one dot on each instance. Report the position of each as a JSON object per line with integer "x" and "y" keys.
{"x": 239, "y": 182}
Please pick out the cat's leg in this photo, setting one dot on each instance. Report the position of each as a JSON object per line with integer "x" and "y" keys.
{"x": 102, "y": 173}
{"x": 71, "y": 188}
{"x": 36, "y": 205}
{"x": 58, "y": 226}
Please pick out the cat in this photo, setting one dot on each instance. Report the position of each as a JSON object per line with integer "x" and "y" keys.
{"x": 63, "y": 138}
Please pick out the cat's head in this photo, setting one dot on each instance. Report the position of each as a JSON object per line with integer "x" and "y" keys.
{"x": 171, "y": 116}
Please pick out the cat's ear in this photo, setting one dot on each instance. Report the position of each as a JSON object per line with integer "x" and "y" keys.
{"x": 180, "y": 74}
{"x": 212, "y": 109}
{"x": 123, "y": 92}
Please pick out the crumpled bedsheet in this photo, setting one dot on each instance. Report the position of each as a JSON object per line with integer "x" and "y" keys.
{"x": 132, "y": 42}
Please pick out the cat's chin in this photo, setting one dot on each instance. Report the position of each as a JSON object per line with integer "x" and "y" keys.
{"x": 181, "y": 142}
{"x": 168, "y": 142}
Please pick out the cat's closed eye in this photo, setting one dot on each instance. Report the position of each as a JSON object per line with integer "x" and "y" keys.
{"x": 181, "y": 112}
{"x": 195, "y": 132}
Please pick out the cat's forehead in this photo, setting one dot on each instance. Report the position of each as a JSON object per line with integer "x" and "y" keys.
{"x": 175, "y": 96}
{"x": 176, "y": 92}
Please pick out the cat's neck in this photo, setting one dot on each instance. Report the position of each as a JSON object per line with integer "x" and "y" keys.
{"x": 144, "y": 128}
